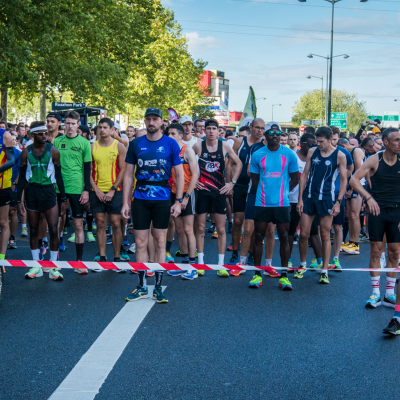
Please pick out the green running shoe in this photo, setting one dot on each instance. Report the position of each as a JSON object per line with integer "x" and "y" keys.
{"x": 72, "y": 238}
{"x": 34, "y": 272}
{"x": 256, "y": 282}
{"x": 290, "y": 267}
{"x": 323, "y": 278}
{"x": 223, "y": 273}
{"x": 336, "y": 265}
{"x": 123, "y": 255}
{"x": 65, "y": 231}
{"x": 138, "y": 293}
{"x": 313, "y": 263}
{"x": 90, "y": 237}
{"x": 298, "y": 274}
{"x": 158, "y": 295}
{"x": 285, "y": 284}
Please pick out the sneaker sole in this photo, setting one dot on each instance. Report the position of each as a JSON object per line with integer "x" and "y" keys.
{"x": 223, "y": 276}
{"x": 391, "y": 333}
{"x": 146, "y": 296}
{"x": 33, "y": 277}
{"x": 369, "y": 305}
{"x": 189, "y": 279}
{"x": 256, "y": 286}
{"x": 285, "y": 287}
{"x": 163, "y": 301}
{"x": 351, "y": 252}
{"x": 323, "y": 282}
{"x": 388, "y": 304}
{"x": 56, "y": 279}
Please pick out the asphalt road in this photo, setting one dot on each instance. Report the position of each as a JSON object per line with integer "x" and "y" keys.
{"x": 216, "y": 338}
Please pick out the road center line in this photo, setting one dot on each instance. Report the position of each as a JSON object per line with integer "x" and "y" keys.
{"x": 86, "y": 378}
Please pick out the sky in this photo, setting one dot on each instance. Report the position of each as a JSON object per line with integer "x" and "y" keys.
{"x": 265, "y": 43}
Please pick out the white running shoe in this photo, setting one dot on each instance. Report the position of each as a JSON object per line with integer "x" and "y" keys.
{"x": 46, "y": 270}
{"x": 132, "y": 249}
{"x": 55, "y": 274}
{"x": 34, "y": 272}
{"x": 81, "y": 271}
{"x": 24, "y": 232}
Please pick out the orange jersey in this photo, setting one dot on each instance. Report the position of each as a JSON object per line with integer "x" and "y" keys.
{"x": 105, "y": 167}
{"x": 186, "y": 171}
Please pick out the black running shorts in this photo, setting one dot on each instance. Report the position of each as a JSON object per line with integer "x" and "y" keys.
{"x": 386, "y": 222}
{"x": 313, "y": 206}
{"x": 40, "y": 198}
{"x": 144, "y": 212}
{"x": 239, "y": 198}
{"x": 5, "y": 197}
{"x": 112, "y": 207}
{"x": 210, "y": 204}
{"x": 77, "y": 209}
{"x": 191, "y": 205}
{"x": 276, "y": 215}
{"x": 13, "y": 202}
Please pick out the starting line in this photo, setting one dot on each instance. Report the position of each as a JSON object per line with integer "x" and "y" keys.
{"x": 159, "y": 266}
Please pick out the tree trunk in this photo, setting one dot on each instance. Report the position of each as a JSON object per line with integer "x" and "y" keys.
{"x": 42, "y": 98}
{"x": 4, "y": 98}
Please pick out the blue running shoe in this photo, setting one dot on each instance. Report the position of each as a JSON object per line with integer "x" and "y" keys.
{"x": 169, "y": 258}
{"x": 211, "y": 229}
{"x": 190, "y": 275}
{"x": 61, "y": 246}
{"x": 109, "y": 239}
{"x": 250, "y": 260}
{"x": 176, "y": 273}
{"x": 389, "y": 301}
{"x": 373, "y": 302}
{"x": 234, "y": 259}
{"x": 125, "y": 242}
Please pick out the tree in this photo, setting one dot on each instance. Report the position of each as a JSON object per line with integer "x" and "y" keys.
{"x": 309, "y": 107}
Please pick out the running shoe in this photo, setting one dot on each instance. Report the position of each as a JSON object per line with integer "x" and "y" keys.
{"x": 250, "y": 260}
{"x": 296, "y": 239}
{"x": 393, "y": 328}
{"x": 201, "y": 272}
{"x": 211, "y": 229}
{"x": 272, "y": 272}
{"x": 56, "y": 275}
{"x": 382, "y": 260}
{"x": 223, "y": 273}
{"x": 123, "y": 255}
{"x": 97, "y": 257}
{"x": 315, "y": 265}
{"x": 344, "y": 245}
{"x": 298, "y": 274}
{"x": 149, "y": 273}
{"x": 352, "y": 249}
{"x": 389, "y": 301}
{"x": 42, "y": 252}
{"x": 72, "y": 238}
{"x": 132, "y": 231}
{"x": 169, "y": 258}
{"x": 323, "y": 278}
{"x": 178, "y": 254}
{"x": 125, "y": 242}
{"x": 46, "y": 270}
{"x": 176, "y": 273}
{"x": 230, "y": 227}
{"x": 65, "y": 231}
{"x": 285, "y": 284}
{"x": 276, "y": 236}
{"x": 373, "y": 301}
{"x": 237, "y": 272}
{"x": 214, "y": 235}
{"x": 133, "y": 271}
{"x": 335, "y": 266}
{"x": 46, "y": 245}
{"x": 132, "y": 249}
{"x": 158, "y": 295}
{"x": 190, "y": 275}
{"x": 61, "y": 246}
{"x": 24, "y": 232}
{"x": 12, "y": 244}
{"x": 290, "y": 267}
{"x": 119, "y": 271}
{"x": 109, "y": 239}
{"x": 85, "y": 227}
{"x": 34, "y": 272}
{"x": 234, "y": 259}
{"x": 230, "y": 248}
{"x": 138, "y": 293}
{"x": 81, "y": 271}
{"x": 90, "y": 237}
{"x": 256, "y": 282}
{"x": 208, "y": 218}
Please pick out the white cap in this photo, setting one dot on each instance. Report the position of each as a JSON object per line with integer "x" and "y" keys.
{"x": 117, "y": 125}
{"x": 247, "y": 122}
{"x": 269, "y": 125}
{"x": 185, "y": 118}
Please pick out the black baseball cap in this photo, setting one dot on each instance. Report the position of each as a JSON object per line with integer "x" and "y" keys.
{"x": 153, "y": 111}
{"x": 55, "y": 115}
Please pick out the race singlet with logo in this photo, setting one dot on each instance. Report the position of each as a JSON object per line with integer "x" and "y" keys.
{"x": 212, "y": 168}
{"x": 5, "y": 177}
{"x": 40, "y": 169}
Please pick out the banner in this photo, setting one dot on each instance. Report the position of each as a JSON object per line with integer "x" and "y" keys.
{"x": 173, "y": 115}
{"x": 250, "y": 109}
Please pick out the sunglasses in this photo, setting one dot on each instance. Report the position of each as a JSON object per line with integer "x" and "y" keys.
{"x": 272, "y": 133}
{"x": 310, "y": 144}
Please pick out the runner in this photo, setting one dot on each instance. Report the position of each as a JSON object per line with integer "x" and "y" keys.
{"x": 76, "y": 160}
{"x": 184, "y": 223}
{"x": 108, "y": 169}
{"x": 274, "y": 172}
{"x": 242, "y": 148}
{"x": 317, "y": 195}
{"x": 199, "y": 128}
{"x": 384, "y": 218}
{"x": 293, "y": 141}
{"x": 154, "y": 155}
{"x": 188, "y": 138}
{"x": 40, "y": 170}
{"x": 283, "y": 139}
{"x": 130, "y": 132}
{"x": 213, "y": 189}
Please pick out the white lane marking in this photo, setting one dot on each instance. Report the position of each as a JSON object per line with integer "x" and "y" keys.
{"x": 86, "y": 378}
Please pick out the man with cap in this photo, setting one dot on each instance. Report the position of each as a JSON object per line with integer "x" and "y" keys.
{"x": 188, "y": 137}
{"x": 154, "y": 156}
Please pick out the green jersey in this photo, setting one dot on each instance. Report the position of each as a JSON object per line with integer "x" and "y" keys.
{"x": 73, "y": 153}
{"x": 40, "y": 169}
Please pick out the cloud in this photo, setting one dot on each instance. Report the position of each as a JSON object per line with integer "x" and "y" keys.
{"x": 198, "y": 44}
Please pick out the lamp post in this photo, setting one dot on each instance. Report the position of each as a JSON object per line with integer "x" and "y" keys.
{"x": 322, "y": 93}
{"x": 262, "y": 98}
{"x": 333, "y": 2}
{"x": 273, "y": 109}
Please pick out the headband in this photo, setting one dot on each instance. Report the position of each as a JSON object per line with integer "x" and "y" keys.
{"x": 39, "y": 128}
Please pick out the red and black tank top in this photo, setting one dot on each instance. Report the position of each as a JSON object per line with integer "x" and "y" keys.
{"x": 212, "y": 168}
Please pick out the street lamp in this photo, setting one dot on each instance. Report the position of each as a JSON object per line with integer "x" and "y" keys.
{"x": 262, "y": 98}
{"x": 322, "y": 93}
{"x": 273, "y": 109}
{"x": 333, "y": 2}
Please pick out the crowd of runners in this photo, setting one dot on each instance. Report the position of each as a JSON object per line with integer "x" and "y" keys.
{"x": 171, "y": 177}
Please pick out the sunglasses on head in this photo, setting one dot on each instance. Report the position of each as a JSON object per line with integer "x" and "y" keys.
{"x": 272, "y": 133}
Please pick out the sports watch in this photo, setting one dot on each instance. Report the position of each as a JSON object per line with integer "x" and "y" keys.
{"x": 339, "y": 201}
{"x": 233, "y": 181}
{"x": 187, "y": 195}
{"x": 180, "y": 200}
{"x": 113, "y": 187}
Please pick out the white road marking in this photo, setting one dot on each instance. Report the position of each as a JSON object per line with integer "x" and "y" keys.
{"x": 86, "y": 378}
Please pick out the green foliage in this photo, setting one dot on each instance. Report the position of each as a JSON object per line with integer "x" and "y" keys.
{"x": 309, "y": 107}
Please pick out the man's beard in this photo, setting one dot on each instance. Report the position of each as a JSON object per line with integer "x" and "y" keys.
{"x": 152, "y": 129}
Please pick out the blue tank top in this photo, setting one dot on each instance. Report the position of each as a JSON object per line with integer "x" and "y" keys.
{"x": 323, "y": 174}
{"x": 244, "y": 156}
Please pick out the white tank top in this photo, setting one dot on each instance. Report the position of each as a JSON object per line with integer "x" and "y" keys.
{"x": 191, "y": 142}
{"x": 294, "y": 194}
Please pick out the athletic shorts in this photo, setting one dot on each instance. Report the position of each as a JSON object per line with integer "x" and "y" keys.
{"x": 40, "y": 198}
{"x": 354, "y": 195}
{"x": 239, "y": 198}
{"x": 250, "y": 205}
{"x": 13, "y": 202}
{"x": 386, "y": 222}
{"x": 144, "y": 212}
{"x": 191, "y": 205}
{"x": 5, "y": 197}
{"x": 210, "y": 204}
{"x": 276, "y": 215}
{"x": 112, "y": 207}
{"x": 317, "y": 207}
{"x": 339, "y": 219}
{"x": 77, "y": 209}
{"x": 294, "y": 219}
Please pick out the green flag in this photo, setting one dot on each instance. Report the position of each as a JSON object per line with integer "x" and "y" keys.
{"x": 250, "y": 109}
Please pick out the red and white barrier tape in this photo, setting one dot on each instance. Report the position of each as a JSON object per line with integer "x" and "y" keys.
{"x": 156, "y": 266}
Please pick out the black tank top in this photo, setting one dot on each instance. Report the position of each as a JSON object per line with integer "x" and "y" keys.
{"x": 244, "y": 156}
{"x": 386, "y": 184}
{"x": 212, "y": 168}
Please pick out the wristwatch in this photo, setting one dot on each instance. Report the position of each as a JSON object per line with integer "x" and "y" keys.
{"x": 233, "y": 181}
{"x": 113, "y": 187}
{"x": 339, "y": 201}
{"x": 180, "y": 200}
{"x": 187, "y": 195}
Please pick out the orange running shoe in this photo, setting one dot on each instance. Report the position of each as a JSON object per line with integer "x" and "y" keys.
{"x": 272, "y": 272}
